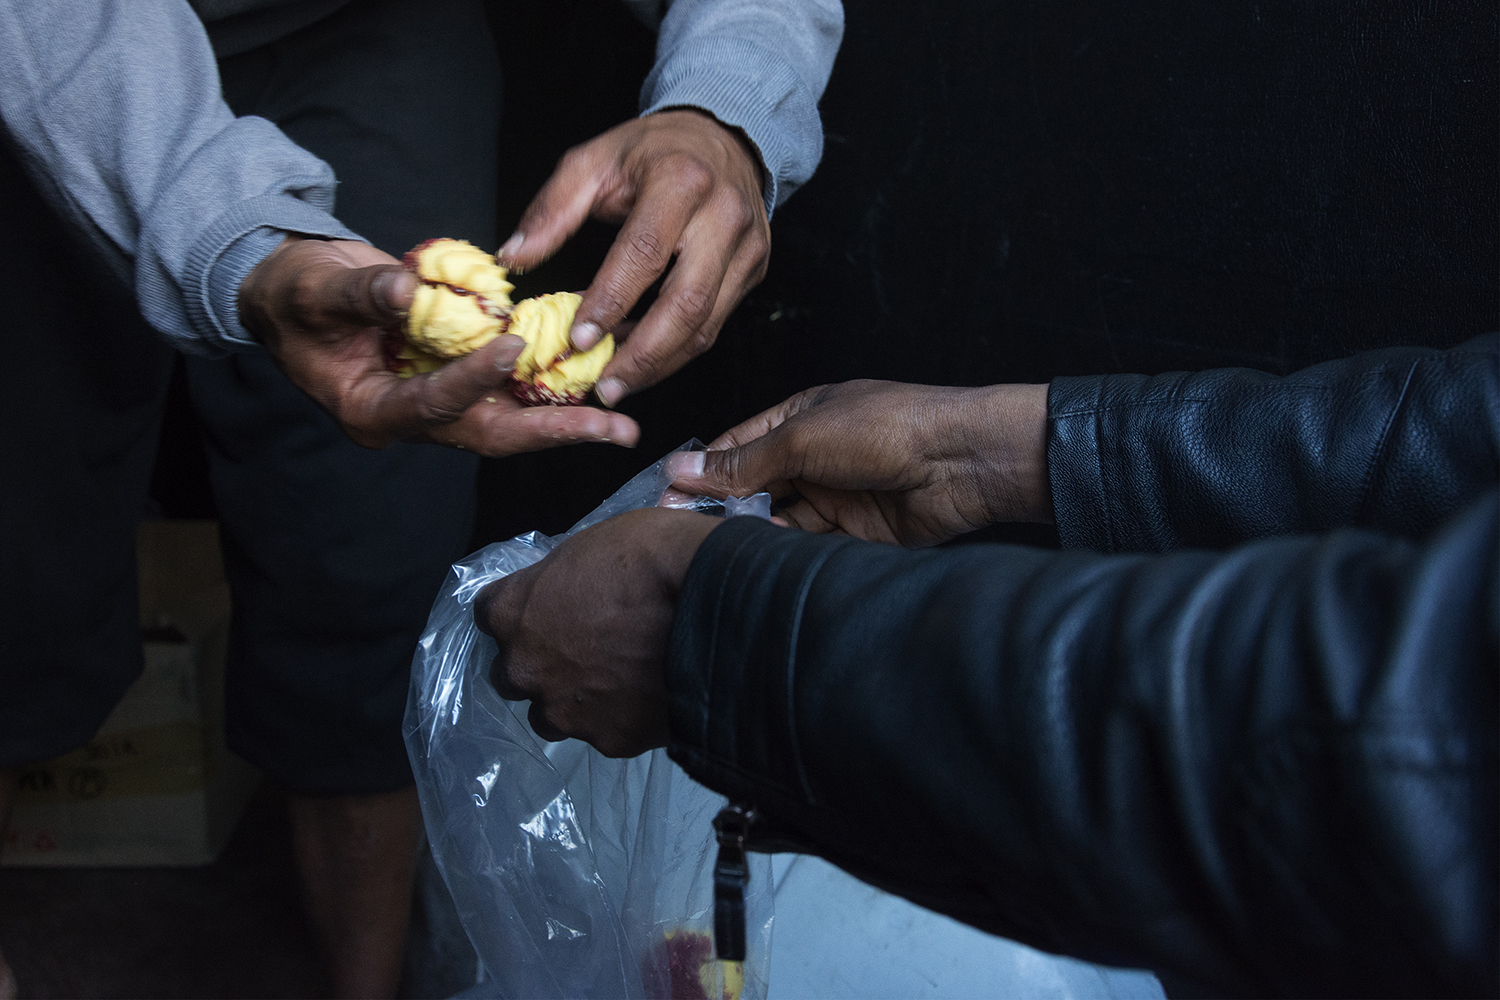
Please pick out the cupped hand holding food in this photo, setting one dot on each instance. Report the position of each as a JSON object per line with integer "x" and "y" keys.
{"x": 685, "y": 187}
{"x": 319, "y": 307}
{"x": 886, "y": 461}
{"x": 583, "y": 634}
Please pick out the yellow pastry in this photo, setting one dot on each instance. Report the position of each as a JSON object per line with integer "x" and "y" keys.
{"x": 462, "y": 302}
{"x": 462, "y": 299}
{"x": 549, "y": 371}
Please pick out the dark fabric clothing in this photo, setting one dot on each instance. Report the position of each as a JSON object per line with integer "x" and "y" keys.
{"x": 333, "y": 551}
{"x": 1265, "y": 770}
{"x": 79, "y": 419}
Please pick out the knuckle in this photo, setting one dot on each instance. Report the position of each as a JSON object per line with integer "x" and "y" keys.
{"x": 692, "y": 304}
{"x": 559, "y": 717}
{"x": 434, "y": 410}
{"x": 736, "y": 214}
{"x": 647, "y": 245}
{"x": 485, "y": 606}
{"x": 574, "y": 158}
{"x": 565, "y": 425}
{"x": 690, "y": 173}
{"x": 352, "y": 296}
{"x": 820, "y": 394}
{"x": 758, "y": 244}
{"x": 729, "y": 466}
{"x": 796, "y": 436}
{"x": 609, "y": 305}
{"x": 701, "y": 339}
{"x": 540, "y": 715}
{"x": 502, "y": 681}
{"x": 305, "y": 295}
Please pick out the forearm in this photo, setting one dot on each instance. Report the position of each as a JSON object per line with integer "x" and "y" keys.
{"x": 1395, "y": 440}
{"x": 756, "y": 65}
{"x": 116, "y": 110}
{"x": 1197, "y": 762}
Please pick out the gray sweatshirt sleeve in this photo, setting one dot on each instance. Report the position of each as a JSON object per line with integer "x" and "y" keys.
{"x": 758, "y": 65}
{"x": 116, "y": 110}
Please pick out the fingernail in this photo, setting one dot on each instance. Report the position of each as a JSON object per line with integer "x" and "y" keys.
{"x": 586, "y": 335}
{"x": 686, "y": 464}
{"x": 511, "y": 245}
{"x": 610, "y": 391}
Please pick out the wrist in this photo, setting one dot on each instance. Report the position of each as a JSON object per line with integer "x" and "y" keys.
{"x": 687, "y": 532}
{"x": 254, "y": 300}
{"x": 736, "y": 135}
{"x": 1006, "y": 432}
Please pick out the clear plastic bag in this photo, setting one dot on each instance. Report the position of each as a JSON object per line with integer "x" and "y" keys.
{"x": 574, "y": 875}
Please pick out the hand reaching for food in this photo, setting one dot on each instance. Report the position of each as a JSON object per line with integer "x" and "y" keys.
{"x": 886, "y": 461}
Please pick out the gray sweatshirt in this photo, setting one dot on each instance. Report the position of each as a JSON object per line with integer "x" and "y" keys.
{"x": 115, "y": 107}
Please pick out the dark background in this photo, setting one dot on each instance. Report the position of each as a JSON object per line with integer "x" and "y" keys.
{"x": 1013, "y": 191}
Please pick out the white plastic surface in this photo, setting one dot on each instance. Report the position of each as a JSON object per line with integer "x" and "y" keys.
{"x": 837, "y": 937}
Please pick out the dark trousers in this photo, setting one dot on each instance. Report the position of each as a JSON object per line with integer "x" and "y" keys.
{"x": 333, "y": 552}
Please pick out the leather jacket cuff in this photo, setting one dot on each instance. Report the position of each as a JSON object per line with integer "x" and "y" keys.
{"x": 730, "y": 712}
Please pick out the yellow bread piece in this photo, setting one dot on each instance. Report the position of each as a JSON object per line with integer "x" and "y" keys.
{"x": 462, "y": 300}
{"x": 548, "y": 365}
{"x": 461, "y": 264}
{"x": 449, "y": 325}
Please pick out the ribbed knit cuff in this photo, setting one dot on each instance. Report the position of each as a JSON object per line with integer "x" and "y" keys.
{"x": 750, "y": 88}
{"x": 231, "y": 247}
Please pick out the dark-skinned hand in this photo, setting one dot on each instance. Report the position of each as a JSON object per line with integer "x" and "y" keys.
{"x": 687, "y": 191}
{"x": 885, "y": 461}
{"x": 319, "y": 307}
{"x": 583, "y": 634}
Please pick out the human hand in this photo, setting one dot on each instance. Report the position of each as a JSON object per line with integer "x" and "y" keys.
{"x": 886, "y": 461}
{"x": 319, "y": 307}
{"x": 583, "y": 634}
{"x": 684, "y": 186}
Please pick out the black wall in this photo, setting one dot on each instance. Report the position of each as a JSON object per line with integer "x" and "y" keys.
{"x": 1016, "y": 190}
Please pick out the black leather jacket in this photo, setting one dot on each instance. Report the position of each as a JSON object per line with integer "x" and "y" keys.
{"x": 1262, "y": 761}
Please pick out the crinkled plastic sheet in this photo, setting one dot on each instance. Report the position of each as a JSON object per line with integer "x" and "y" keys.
{"x": 574, "y": 875}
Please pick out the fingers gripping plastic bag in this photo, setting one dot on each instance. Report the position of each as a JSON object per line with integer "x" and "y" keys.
{"x": 574, "y": 874}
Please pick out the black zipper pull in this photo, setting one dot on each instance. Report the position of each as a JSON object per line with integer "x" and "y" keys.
{"x": 731, "y": 875}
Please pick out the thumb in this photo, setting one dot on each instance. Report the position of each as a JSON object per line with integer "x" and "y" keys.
{"x": 441, "y": 397}
{"x": 378, "y": 295}
{"x": 761, "y": 466}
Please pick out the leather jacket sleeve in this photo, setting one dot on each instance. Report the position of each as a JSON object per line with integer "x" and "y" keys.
{"x": 1270, "y": 770}
{"x": 1392, "y": 439}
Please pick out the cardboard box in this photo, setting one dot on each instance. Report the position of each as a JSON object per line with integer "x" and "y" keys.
{"x": 156, "y": 786}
